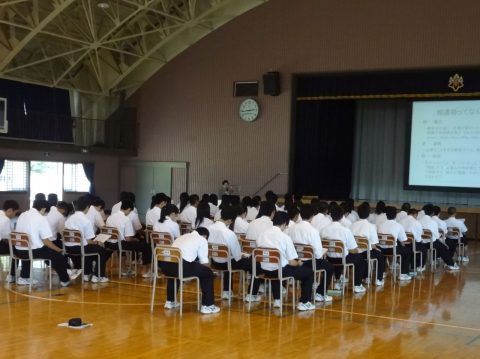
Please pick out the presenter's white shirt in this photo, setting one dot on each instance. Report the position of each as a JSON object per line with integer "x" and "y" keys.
{"x": 305, "y": 233}
{"x": 168, "y": 226}
{"x": 5, "y": 226}
{"x": 337, "y": 231}
{"x": 220, "y": 234}
{"x": 79, "y": 222}
{"x": 364, "y": 228}
{"x": 36, "y": 226}
{"x": 276, "y": 239}
{"x": 411, "y": 225}
{"x": 320, "y": 221}
{"x": 121, "y": 222}
{"x": 95, "y": 218}
{"x": 240, "y": 226}
{"x": 192, "y": 246}
{"x": 258, "y": 226}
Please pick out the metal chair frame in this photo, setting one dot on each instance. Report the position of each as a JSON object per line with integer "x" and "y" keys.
{"x": 432, "y": 254}
{"x": 338, "y": 247}
{"x": 307, "y": 252}
{"x": 74, "y": 236}
{"x": 363, "y": 243}
{"x": 115, "y": 235}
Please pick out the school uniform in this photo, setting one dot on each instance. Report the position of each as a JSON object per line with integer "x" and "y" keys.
{"x": 193, "y": 246}
{"x": 365, "y": 229}
{"x": 305, "y": 233}
{"x": 252, "y": 213}
{"x": 79, "y": 222}
{"x": 153, "y": 215}
{"x": 56, "y": 220}
{"x": 5, "y": 229}
{"x": 133, "y": 215}
{"x": 189, "y": 214}
{"x": 353, "y": 216}
{"x": 240, "y": 225}
{"x": 345, "y": 222}
{"x": 400, "y": 216}
{"x": 95, "y": 217}
{"x": 274, "y": 238}
{"x": 37, "y": 227}
{"x": 452, "y": 242}
{"x": 411, "y": 225}
{"x": 217, "y": 215}
{"x": 205, "y": 223}
{"x": 168, "y": 226}
{"x": 442, "y": 251}
{"x": 320, "y": 221}
{"x": 441, "y": 225}
{"x": 258, "y": 226}
{"x": 391, "y": 227}
{"x": 337, "y": 231}
{"x": 213, "y": 209}
{"x": 380, "y": 218}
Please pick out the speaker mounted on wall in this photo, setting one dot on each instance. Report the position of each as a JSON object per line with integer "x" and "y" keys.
{"x": 271, "y": 83}
{"x": 245, "y": 88}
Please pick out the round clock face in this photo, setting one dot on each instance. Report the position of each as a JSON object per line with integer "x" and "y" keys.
{"x": 249, "y": 110}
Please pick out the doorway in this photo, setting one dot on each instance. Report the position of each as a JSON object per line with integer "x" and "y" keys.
{"x": 46, "y": 177}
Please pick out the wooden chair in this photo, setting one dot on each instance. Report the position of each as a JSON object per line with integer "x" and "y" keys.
{"x": 219, "y": 253}
{"x": 148, "y": 229}
{"x": 131, "y": 255}
{"x": 336, "y": 249}
{"x": 363, "y": 244}
{"x": 22, "y": 240}
{"x": 269, "y": 255}
{"x": 73, "y": 236}
{"x": 159, "y": 238}
{"x": 307, "y": 253}
{"x": 455, "y": 233}
{"x": 248, "y": 245}
{"x": 432, "y": 252}
{"x": 389, "y": 240}
{"x": 166, "y": 253}
{"x": 241, "y": 236}
{"x": 411, "y": 240}
{"x": 185, "y": 227}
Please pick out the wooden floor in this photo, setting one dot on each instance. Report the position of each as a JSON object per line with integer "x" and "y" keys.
{"x": 434, "y": 316}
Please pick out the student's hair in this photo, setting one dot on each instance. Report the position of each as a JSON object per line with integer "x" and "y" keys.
{"x": 82, "y": 203}
{"x": 331, "y": 205}
{"x": 314, "y": 201}
{"x": 234, "y": 200}
{"x": 247, "y": 201}
{"x": 213, "y": 199}
{"x": 288, "y": 199}
{"x": 255, "y": 201}
{"x": 203, "y": 232}
{"x": 225, "y": 181}
{"x": 344, "y": 206}
{"x": 266, "y": 209}
{"x": 336, "y": 212}
{"x": 436, "y": 210}
{"x": 240, "y": 209}
{"x": 203, "y": 211}
{"x": 366, "y": 204}
{"x": 10, "y": 204}
{"x": 228, "y": 213}
{"x": 307, "y": 211}
{"x": 280, "y": 218}
{"x": 428, "y": 209}
{"x": 380, "y": 208}
{"x": 271, "y": 197}
{"x": 350, "y": 204}
{"x": 205, "y": 197}
{"x": 41, "y": 196}
{"x": 159, "y": 198}
{"x": 193, "y": 199}
{"x": 322, "y": 207}
{"x": 39, "y": 204}
{"x": 183, "y": 200}
{"x": 406, "y": 207}
{"x": 131, "y": 197}
{"x": 363, "y": 211}
{"x": 52, "y": 199}
{"x": 152, "y": 201}
{"x": 451, "y": 211}
{"x": 64, "y": 206}
{"x": 126, "y": 204}
{"x": 412, "y": 211}
{"x": 97, "y": 201}
{"x": 391, "y": 212}
{"x": 167, "y": 211}
{"x": 292, "y": 211}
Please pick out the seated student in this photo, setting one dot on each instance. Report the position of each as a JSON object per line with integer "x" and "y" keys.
{"x": 294, "y": 215}
{"x": 213, "y": 203}
{"x": 124, "y": 225}
{"x": 442, "y": 250}
{"x": 253, "y": 208}
{"x": 391, "y": 227}
{"x": 56, "y": 218}
{"x": 337, "y": 231}
{"x": 291, "y": 265}
{"x": 189, "y": 213}
{"x": 133, "y": 215}
{"x": 441, "y": 223}
{"x": 365, "y": 229}
{"x": 411, "y": 225}
{"x": 168, "y": 221}
{"x": 452, "y": 243}
{"x": 321, "y": 219}
{"x": 79, "y": 222}
{"x": 193, "y": 245}
{"x": 305, "y": 233}
{"x": 262, "y": 222}
{"x": 344, "y": 221}
{"x": 379, "y": 216}
{"x": 240, "y": 225}
{"x": 271, "y": 197}
{"x": 94, "y": 213}
{"x": 10, "y": 210}
{"x": 403, "y": 212}
{"x": 221, "y": 234}
{"x": 184, "y": 197}
{"x": 350, "y": 210}
{"x": 153, "y": 214}
{"x": 35, "y": 224}
{"x": 202, "y": 216}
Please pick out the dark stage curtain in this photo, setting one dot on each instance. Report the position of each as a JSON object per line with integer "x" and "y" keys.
{"x": 2, "y": 163}
{"x": 89, "y": 169}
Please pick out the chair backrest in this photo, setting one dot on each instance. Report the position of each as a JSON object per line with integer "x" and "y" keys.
{"x": 185, "y": 227}
{"x": 410, "y": 238}
{"x": 305, "y": 251}
{"x": 334, "y": 246}
{"x": 266, "y": 255}
{"x": 168, "y": 254}
{"x": 441, "y": 232}
{"x": 427, "y": 234}
{"x": 111, "y": 231}
{"x": 72, "y": 236}
{"x": 20, "y": 239}
{"x": 453, "y": 232}
{"x": 248, "y": 245}
{"x": 386, "y": 240}
{"x": 161, "y": 238}
{"x": 241, "y": 236}
{"x": 149, "y": 228}
{"x": 362, "y": 242}
{"x": 218, "y": 251}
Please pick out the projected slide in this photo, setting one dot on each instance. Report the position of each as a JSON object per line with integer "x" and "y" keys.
{"x": 445, "y": 144}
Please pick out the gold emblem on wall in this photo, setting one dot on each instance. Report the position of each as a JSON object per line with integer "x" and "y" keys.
{"x": 455, "y": 82}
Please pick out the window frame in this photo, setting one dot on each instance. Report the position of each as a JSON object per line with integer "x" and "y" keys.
{"x": 63, "y": 178}
{"x": 27, "y": 175}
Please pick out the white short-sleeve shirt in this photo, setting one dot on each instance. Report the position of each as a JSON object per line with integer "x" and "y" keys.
{"x": 275, "y": 238}
{"x": 320, "y": 221}
{"x": 213, "y": 209}
{"x": 240, "y": 225}
{"x": 400, "y": 216}
{"x": 95, "y": 218}
{"x": 5, "y": 226}
{"x": 364, "y": 228}
{"x": 192, "y": 246}
{"x": 168, "y": 226}
{"x": 428, "y": 223}
{"x": 152, "y": 216}
{"x": 455, "y": 222}
{"x": 220, "y": 234}
{"x": 380, "y": 218}
{"x": 36, "y": 226}
{"x": 124, "y": 225}
{"x": 79, "y": 222}
{"x": 336, "y": 230}
{"x": 305, "y": 233}
{"x": 411, "y": 225}
{"x": 441, "y": 224}
{"x": 258, "y": 226}
{"x": 189, "y": 214}
{"x": 252, "y": 213}
{"x": 56, "y": 220}
{"x": 390, "y": 226}
{"x": 206, "y": 223}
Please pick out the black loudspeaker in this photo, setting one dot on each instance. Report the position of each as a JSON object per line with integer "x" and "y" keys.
{"x": 271, "y": 83}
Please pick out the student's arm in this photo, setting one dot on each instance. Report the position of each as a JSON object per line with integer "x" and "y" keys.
{"x": 48, "y": 243}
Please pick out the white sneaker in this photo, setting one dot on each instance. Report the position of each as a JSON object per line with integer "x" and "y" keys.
{"x": 421, "y": 269}
{"x": 86, "y": 278}
{"x": 305, "y": 306}
{"x": 10, "y": 279}
{"x": 261, "y": 288}
{"x": 454, "y": 267}
{"x": 276, "y": 303}
{"x": 404, "y": 277}
{"x": 366, "y": 281}
{"x": 74, "y": 273}
{"x": 343, "y": 279}
{"x": 412, "y": 274}
{"x": 379, "y": 283}
{"x": 284, "y": 291}
{"x": 65, "y": 284}
{"x": 147, "y": 275}
{"x": 337, "y": 286}
{"x": 465, "y": 259}
{"x": 253, "y": 298}
{"x": 171, "y": 305}
{"x": 96, "y": 279}
{"x": 359, "y": 289}
{"x": 26, "y": 281}
{"x": 322, "y": 298}
{"x": 212, "y": 309}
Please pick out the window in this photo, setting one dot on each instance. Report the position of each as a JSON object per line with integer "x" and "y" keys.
{"x": 74, "y": 179}
{"x": 14, "y": 176}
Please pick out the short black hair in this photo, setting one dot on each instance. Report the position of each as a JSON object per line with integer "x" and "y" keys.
{"x": 412, "y": 211}
{"x": 266, "y": 209}
{"x": 228, "y": 212}
{"x": 336, "y": 212}
{"x": 451, "y": 211}
{"x": 225, "y": 181}
{"x": 64, "y": 205}
{"x": 41, "y": 196}
{"x": 292, "y": 211}
{"x": 193, "y": 199}
{"x": 322, "y": 207}
{"x": 39, "y": 204}
{"x": 436, "y": 210}
{"x": 11, "y": 204}
{"x": 203, "y": 232}
{"x": 363, "y": 211}
{"x": 97, "y": 201}
{"x": 380, "y": 208}
{"x": 428, "y": 209}
{"x": 280, "y": 218}
{"x": 82, "y": 203}
{"x": 52, "y": 199}
{"x": 307, "y": 211}
{"x": 126, "y": 204}
{"x": 391, "y": 212}
{"x": 406, "y": 207}
{"x": 159, "y": 198}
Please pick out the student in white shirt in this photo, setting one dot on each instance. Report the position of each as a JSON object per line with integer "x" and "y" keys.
{"x": 35, "y": 224}
{"x": 213, "y": 203}
{"x": 56, "y": 219}
{"x": 321, "y": 220}
{"x": 441, "y": 223}
{"x": 253, "y": 208}
{"x": 364, "y": 228}
{"x": 305, "y": 233}
{"x": 153, "y": 214}
{"x": 241, "y": 225}
{"x": 193, "y": 245}
{"x": 442, "y": 251}
{"x": 202, "y": 218}
{"x": 294, "y": 215}
{"x": 452, "y": 242}
{"x": 221, "y": 234}
{"x": 79, "y": 222}
{"x": 10, "y": 211}
{"x": 403, "y": 212}
{"x": 352, "y": 215}
{"x": 391, "y": 227}
{"x": 274, "y": 237}
{"x": 411, "y": 225}
{"x": 380, "y": 215}
{"x": 337, "y": 231}
{"x": 121, "y": 221}
{"x": 133, "y": 215}
{"x": 262, "y": 222}
{"x": 94, "y": 213}
{"x": 189, "y": 213}
{"x": 168, "y": 221}
{"x": 184, "y": 197}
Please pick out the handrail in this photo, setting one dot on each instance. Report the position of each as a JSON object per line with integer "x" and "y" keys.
{"x": 270, "y": 181}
